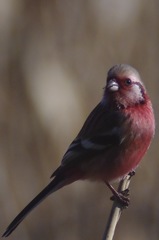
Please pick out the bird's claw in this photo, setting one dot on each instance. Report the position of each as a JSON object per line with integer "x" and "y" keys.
{"x": 122, "y": 198}
{"x": 132, "y": 173}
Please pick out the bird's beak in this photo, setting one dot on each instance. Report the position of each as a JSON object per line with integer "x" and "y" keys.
{"x": 112, "y": 85}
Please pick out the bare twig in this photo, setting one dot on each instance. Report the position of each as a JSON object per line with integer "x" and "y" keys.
{"x": 115, "y": 211}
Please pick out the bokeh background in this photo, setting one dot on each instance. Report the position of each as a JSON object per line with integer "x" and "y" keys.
{"x": 54, "y": 56}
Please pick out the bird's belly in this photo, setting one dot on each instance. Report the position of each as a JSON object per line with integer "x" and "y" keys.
{"x": 114, "y": 165}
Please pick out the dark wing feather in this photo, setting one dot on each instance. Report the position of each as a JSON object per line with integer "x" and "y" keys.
{"x": 102, "y": 130}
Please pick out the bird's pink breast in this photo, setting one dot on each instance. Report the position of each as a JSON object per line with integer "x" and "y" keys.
{"x": 124, "y": 158}
{"x": 131, "y": 152}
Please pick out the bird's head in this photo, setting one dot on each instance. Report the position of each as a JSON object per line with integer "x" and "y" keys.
{"x": 124, "y": 86}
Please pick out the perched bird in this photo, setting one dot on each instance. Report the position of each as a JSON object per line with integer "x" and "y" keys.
{"x": 112, "y": 141}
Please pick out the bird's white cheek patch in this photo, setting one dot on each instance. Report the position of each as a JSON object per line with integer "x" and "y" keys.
{"x": 135, "y": 93}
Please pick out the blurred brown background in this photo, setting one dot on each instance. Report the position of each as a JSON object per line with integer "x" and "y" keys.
{"x": 54, "y": 56}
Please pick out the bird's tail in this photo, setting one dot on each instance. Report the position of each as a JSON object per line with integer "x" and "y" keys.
{"x": 53, "y": 186}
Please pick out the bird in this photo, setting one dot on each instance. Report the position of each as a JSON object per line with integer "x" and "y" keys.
{"x": 113, "y": 140}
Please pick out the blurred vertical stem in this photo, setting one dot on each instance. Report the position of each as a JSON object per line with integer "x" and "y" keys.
{"x": 115, "y": 211}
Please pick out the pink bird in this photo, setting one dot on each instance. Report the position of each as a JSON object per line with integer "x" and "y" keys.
{"x": 112, "y": 141}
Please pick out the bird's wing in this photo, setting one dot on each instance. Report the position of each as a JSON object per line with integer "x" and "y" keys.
{"x": 102, "y": 130}
{"x": 86, "y": 147}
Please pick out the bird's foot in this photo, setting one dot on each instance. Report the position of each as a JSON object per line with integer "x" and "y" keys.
{"x": 122, "y": 198}
{"x": 132, "y": 173}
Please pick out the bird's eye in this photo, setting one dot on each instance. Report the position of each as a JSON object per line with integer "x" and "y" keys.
{"x": 128, "y": 81}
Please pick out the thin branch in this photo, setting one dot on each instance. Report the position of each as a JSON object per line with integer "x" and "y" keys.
{"x": 115, "y": 211}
